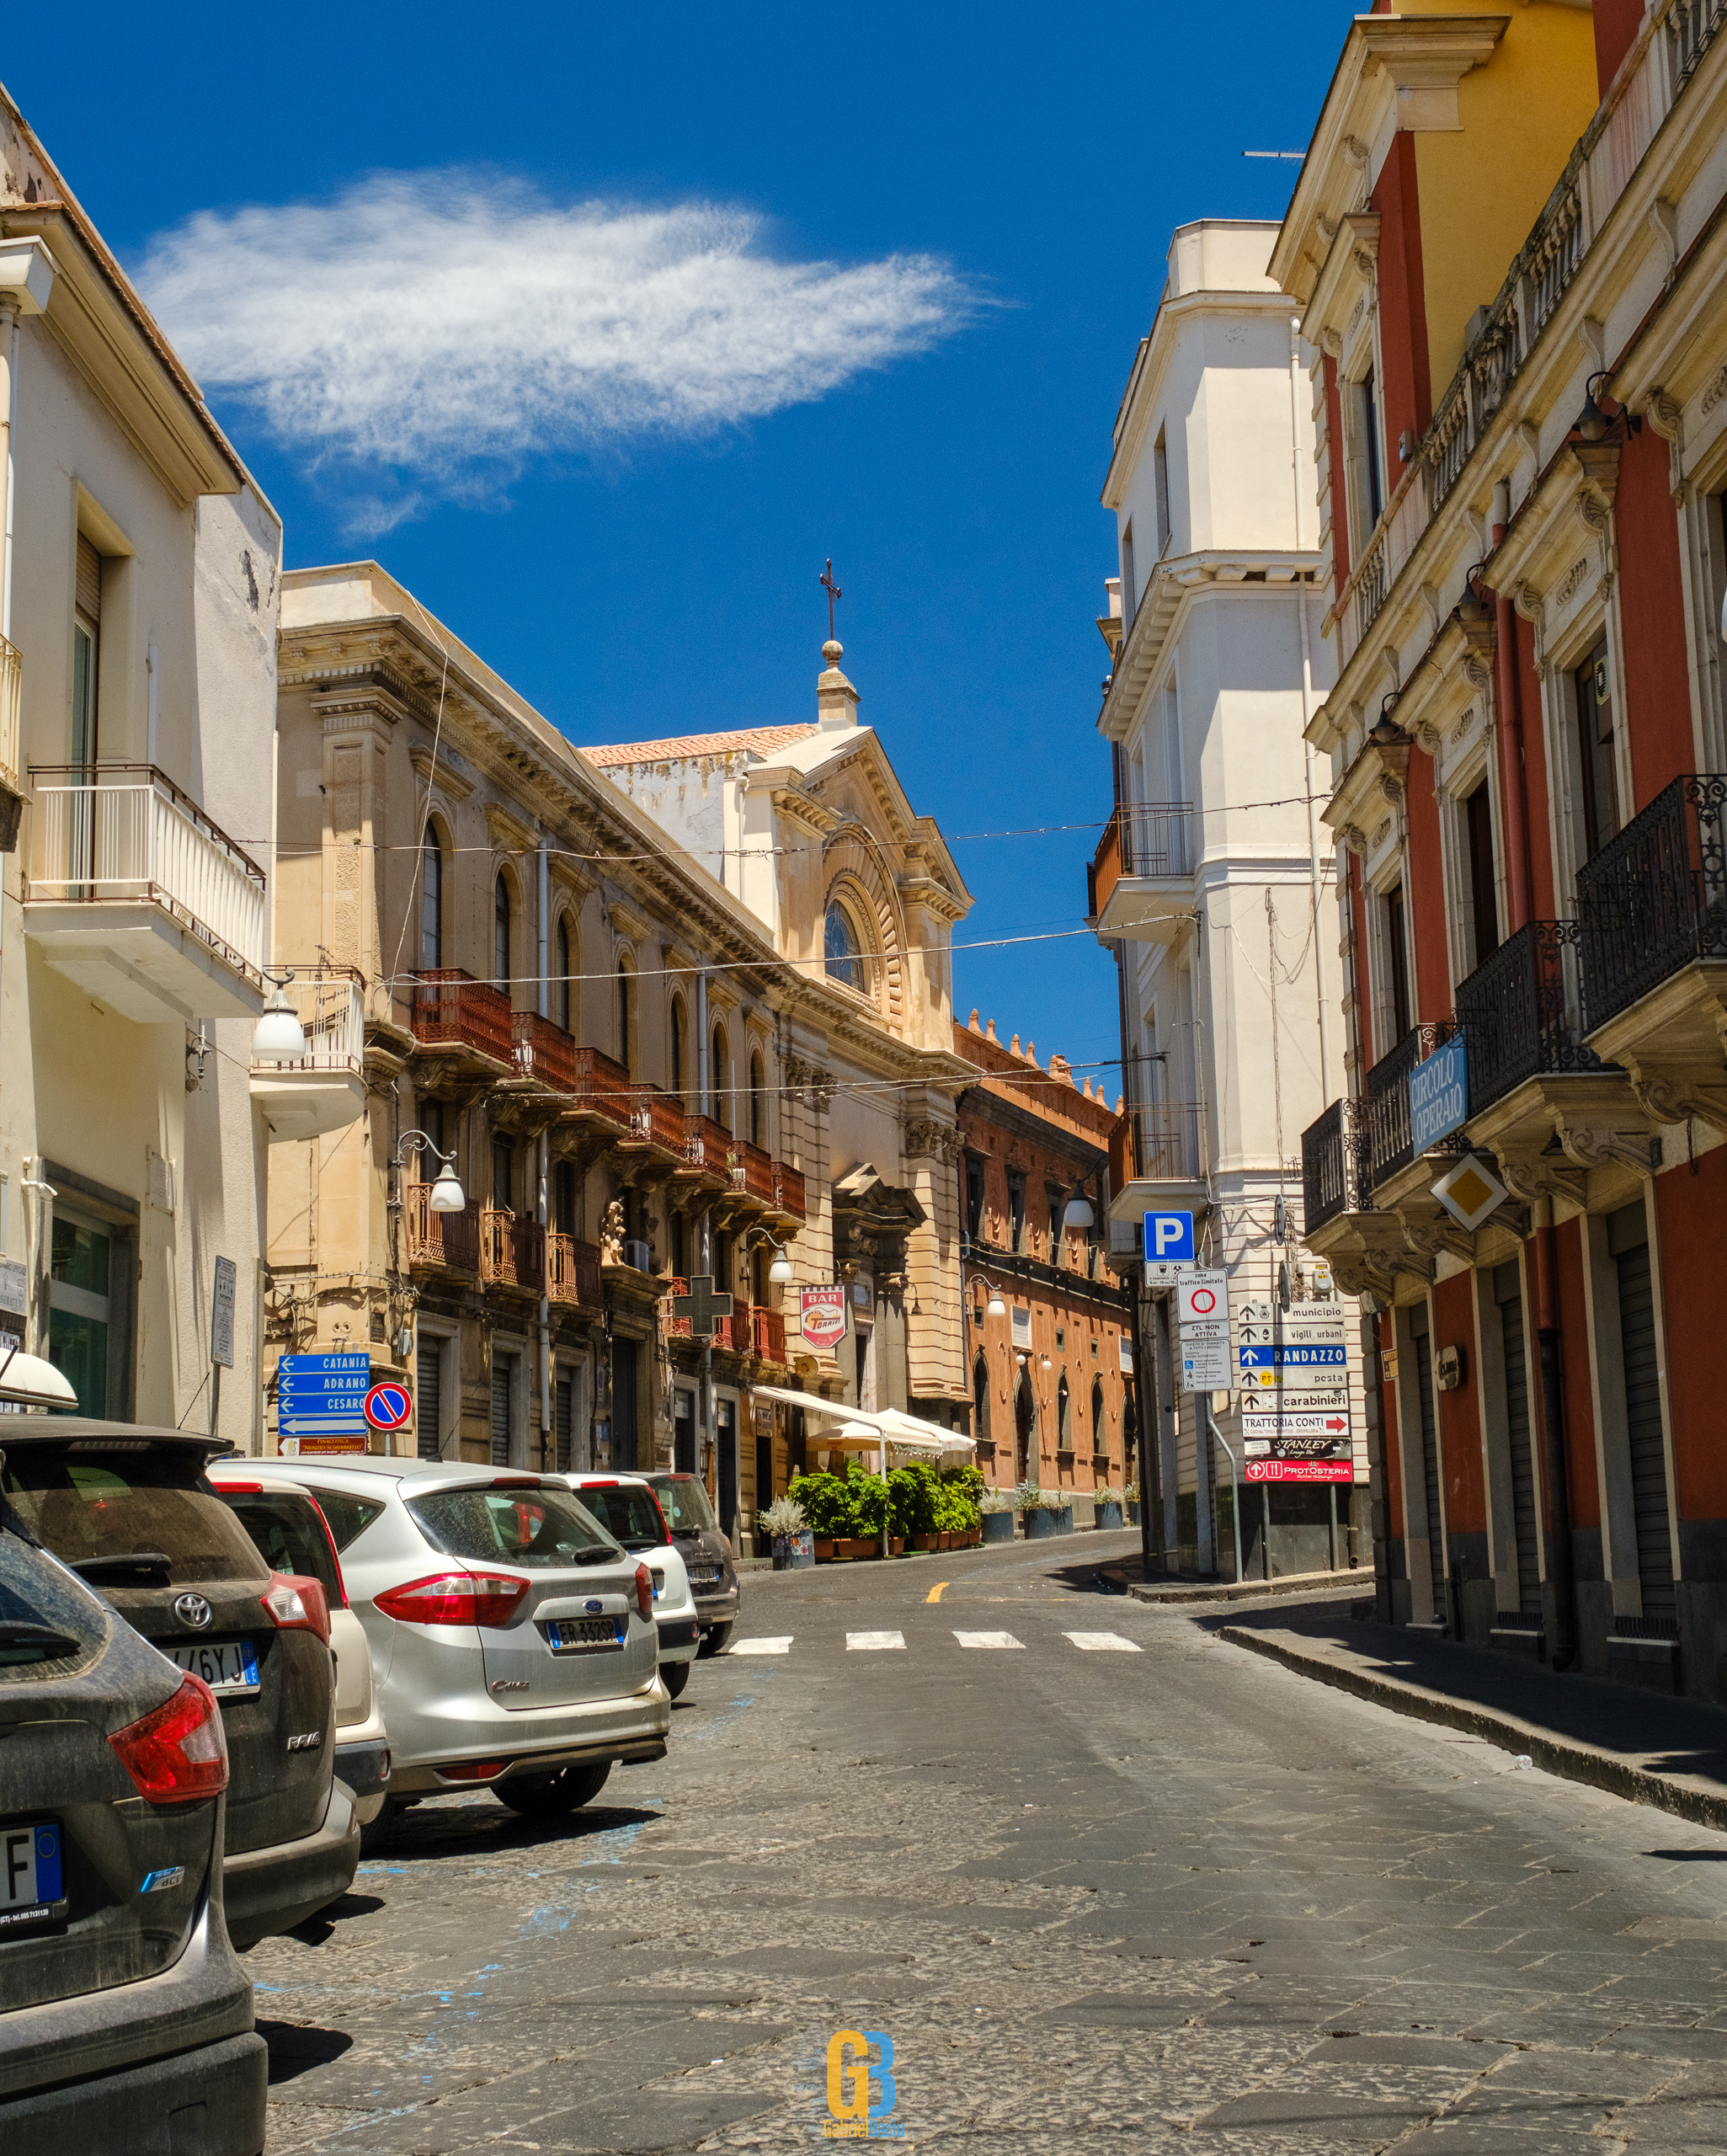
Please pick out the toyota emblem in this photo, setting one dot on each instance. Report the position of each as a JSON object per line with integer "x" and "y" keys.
{"x": 194, "y": 1610}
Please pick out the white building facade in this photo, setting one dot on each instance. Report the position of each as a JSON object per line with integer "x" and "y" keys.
{"x": 1210, "y": 882}
{"x": 137, "y": 724}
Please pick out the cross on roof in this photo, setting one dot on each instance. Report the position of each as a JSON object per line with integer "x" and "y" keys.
{"x": 833, "y": 592}
{"x": 702, "y": 1306}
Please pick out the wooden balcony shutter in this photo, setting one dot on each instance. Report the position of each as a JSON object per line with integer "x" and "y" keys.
{"x": 89, "y": 593}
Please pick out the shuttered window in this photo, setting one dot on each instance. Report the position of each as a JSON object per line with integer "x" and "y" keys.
{"x": 1429, "y": 1459}
{"x": 502, "y": 1388}
{"x": 89, "y": 583}
{"x": 427, "y": 1372}
{"x": 564, "y": 1411}
{"x": 1643, "y": 1412}
{"x": 1507, "y": 1289}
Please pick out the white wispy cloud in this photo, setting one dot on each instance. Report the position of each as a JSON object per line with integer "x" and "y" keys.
{"x": 428, "y": 334}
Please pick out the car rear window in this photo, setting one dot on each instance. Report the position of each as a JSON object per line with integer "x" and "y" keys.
{"x": 684, "y": 1503}
{"x": 630, "y": 1515}
{"x": 530, "y": 1527}
{"x": 49, "y": 1624}
{"x": 89, "y": 1507}
{"x": 348, "y": 1516}
{"x": 288, "y": 1534}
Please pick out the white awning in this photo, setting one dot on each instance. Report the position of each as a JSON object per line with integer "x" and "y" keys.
{"x": 33, "y": 1382}
{"x": 863, "y": 1429}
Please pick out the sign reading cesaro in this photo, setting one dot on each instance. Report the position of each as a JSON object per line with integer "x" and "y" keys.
{"x": 824, "y": 1309}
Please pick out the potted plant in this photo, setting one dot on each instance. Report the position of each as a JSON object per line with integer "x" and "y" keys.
{"x": 1134, "y": 1504}
{"x": 793, "y": 1544}
{"x": 998, "y": 1509}
{"x": 1107, "y": 1504}
{"x": 1047, "y": 1512}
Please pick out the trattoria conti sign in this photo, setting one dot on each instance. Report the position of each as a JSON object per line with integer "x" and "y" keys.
{"x": 824, "y": 1316}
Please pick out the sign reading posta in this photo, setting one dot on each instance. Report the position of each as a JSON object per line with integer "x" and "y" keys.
{"x": 824, "y": 1309}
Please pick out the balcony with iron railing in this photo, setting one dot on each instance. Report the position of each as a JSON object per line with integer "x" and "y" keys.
{"x": 453, "y": 1015}
{"x": 1334, "y": 1174}
{"x": 1139, "y": 883}
{"x": 1517, "y": 1012}
{"x": 767, "y": 1334}
{"x": 1164, "y": 1142}
{"x": 544, "y": 1052}
{"x": 1653, "y": 900}
{"x": 789, "y": 1200}
{"x": 11, "y": 711}
{"x": 448, "y": 1242}
{"x": 512, "y": 1251}
{"x": 572, "y": 1273}
{"x": 324, "y": 1088}
{"x": 138, "y": 896}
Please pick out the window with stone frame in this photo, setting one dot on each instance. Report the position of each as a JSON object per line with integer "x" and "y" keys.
{"x": 1015, "y": 1208}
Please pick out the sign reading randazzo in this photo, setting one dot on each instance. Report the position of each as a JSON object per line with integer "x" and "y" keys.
{"x": 1439, "y": 1095}
{"x": 823, "y": 1311}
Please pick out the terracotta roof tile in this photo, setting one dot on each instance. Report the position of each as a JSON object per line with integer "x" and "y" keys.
{"x": 760, "y": 738}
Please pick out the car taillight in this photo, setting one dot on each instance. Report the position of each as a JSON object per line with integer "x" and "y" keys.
{"x": 644, "y": 1590}
{"x": 297, "y": 1604}
{"x": 487, "y": 1598}
{"x": 179, "y": 1752}
{"x": 341, "y": 1584}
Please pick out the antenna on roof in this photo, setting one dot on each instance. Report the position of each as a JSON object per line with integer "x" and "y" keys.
{"x": 1290, "y": 157}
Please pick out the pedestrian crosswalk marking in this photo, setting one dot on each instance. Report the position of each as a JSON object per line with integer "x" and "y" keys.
{"x": 881, "y": 1642}
{"x": 1102, "y": 1642}
{"x": 988, "y": 1639}
{"x": 872, "y": 1642}
{"x": 760, "y": 1646}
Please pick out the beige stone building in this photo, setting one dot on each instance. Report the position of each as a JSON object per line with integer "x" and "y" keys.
{"x": 641, "y": 1067}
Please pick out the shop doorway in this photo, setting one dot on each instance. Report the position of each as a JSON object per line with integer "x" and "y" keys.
{"x": 625, "y": 1361}
{"x": 726, "y": 1443}
{"x": 1025, "y": 1427}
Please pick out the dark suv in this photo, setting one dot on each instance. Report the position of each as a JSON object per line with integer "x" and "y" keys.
{"x": 705, "y": 1551}
{"x": 125, "y": 2016}
{"x": 130, "y": 1510}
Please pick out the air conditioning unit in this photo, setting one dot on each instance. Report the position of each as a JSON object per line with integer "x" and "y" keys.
{"x": 639, "y": 1255}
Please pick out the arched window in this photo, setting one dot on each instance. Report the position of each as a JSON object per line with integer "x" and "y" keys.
{"x": 500, "y": 935}
{"x": 678, "y": 1044}
{"x": 980, "y": 1399}
{"x": 719, "y": 1078}
{"x": 561, "y": 1000}
{"x": 1100, "y": 1435}
{"x": 624, "y": 1056}
{"x": 1063, "y": 1417}
{"x": 843, "y": 950}
{"x": 431, "y": 902}
{"x": 758, "y": 1102}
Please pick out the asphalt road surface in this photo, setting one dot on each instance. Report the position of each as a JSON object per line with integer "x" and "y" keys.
{"x": 1104, "y": 1880}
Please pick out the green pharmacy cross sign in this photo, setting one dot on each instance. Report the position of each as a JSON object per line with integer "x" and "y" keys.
{"x": 702, "y": 1306}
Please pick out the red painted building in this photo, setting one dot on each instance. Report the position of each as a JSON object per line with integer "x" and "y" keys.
{"x": 1507, "y": 244}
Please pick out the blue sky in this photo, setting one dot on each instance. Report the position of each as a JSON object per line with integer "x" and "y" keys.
{"x": 979, "y": 198}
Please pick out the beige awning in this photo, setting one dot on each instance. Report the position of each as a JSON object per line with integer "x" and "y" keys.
{"x": 863, "y": 1429}
{"x": 33, "y": 1382}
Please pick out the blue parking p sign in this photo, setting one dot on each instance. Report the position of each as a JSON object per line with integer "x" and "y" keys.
{"x": 1169, "y": 1238}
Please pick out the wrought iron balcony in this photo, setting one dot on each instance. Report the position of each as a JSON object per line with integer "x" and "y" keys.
{"x": 573, "y": 1272}
{"x": 1164, "y": 1142}
{"x": 753, "y": 1174}
{"x": 788, "y": 1191}
{"x": 1335, "y": 1178}
{"x": 449, "y": 1241}
{"x": 767, "y": 1330}
{"x": 1655, "y": 897}
{"x": 512, "y": 1251}
{"x": 1390, "y": 1140}
{"x": 1515, "y": 1014}
{"x": 450, "y": 1009}
{"x": 1144, "y": 842}
{"x": 324, "y": 1088}
{"x": 544, "y": 1052}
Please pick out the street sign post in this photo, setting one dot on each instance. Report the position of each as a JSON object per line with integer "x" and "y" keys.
{"x": 388, "y": 1406}
{"x": 1202, "y": 1312}
{"x": 221, "y": 1315}
{"x": 1293, "y": 1374}
{"x": 323, "y": 1396}
{"x": 1169, "y": 1238}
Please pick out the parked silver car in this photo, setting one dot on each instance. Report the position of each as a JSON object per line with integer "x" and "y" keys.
{"x": 707, "y": 1552}
{"x": 513, "y": 1641}
{"x": 629, "y": 1511}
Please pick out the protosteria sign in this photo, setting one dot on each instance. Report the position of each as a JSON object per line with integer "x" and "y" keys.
{"x": 823, "y": 1311}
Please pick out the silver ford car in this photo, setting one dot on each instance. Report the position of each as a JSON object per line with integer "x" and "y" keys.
{"x": 513, "y": 1642}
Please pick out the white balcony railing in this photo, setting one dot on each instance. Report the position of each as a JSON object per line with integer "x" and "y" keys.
{"x": 329, "y": 1002}
{"x": 11, "y": 703}
{"x": 107, "y": 833}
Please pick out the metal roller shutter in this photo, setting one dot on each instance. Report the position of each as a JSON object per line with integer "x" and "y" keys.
{"x": 1524, "y": 1486}
{"x": 503, "y": 1375}
{"x": 1430, "y": 1464}
{"x": 564, "y": 1412}
{"x": 1643, "y": 1417}
{"x": 428, "y": 1408}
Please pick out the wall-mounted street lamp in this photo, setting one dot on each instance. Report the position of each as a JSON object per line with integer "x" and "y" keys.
{"x": 994, "y": 1307}
{"x": 1592, "y": 423}
{"x": 278, "y": 1036}
{"x": 1079, "y": 1212}
{"x": 447, "y": 1193}
{"x": 780, "y": 1272}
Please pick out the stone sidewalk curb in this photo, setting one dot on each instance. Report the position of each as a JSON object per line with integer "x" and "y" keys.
{"x": 1556, "y": 1755}
{"x": 1306, "y": 1584}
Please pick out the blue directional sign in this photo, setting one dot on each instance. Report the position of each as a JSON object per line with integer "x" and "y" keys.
{"x": 1285, "y": 1355}
{"x": 1169, "y": 1238}
{"x": 1439, "y": 1094}
{"x": 323, "y": 1396}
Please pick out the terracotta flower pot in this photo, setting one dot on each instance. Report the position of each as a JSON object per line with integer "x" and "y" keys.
{"x": 926, "y": 1542}
{"x": 824, "y": 1549}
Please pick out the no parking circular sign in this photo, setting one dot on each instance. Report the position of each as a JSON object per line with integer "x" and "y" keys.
{"x": 388, "y": 1406}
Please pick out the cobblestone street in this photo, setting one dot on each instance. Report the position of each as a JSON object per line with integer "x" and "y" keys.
{"x": 1096, "y": 1894}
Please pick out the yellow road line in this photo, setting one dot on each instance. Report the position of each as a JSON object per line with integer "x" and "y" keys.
{"x": 934, "y": 1593}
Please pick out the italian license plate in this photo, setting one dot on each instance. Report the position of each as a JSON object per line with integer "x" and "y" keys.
{"x": 703, "y": 1575}
{"x": 30, "y": 1880}
{"x": 225, "y": 1665}
{"x": 571, "y": 1635}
